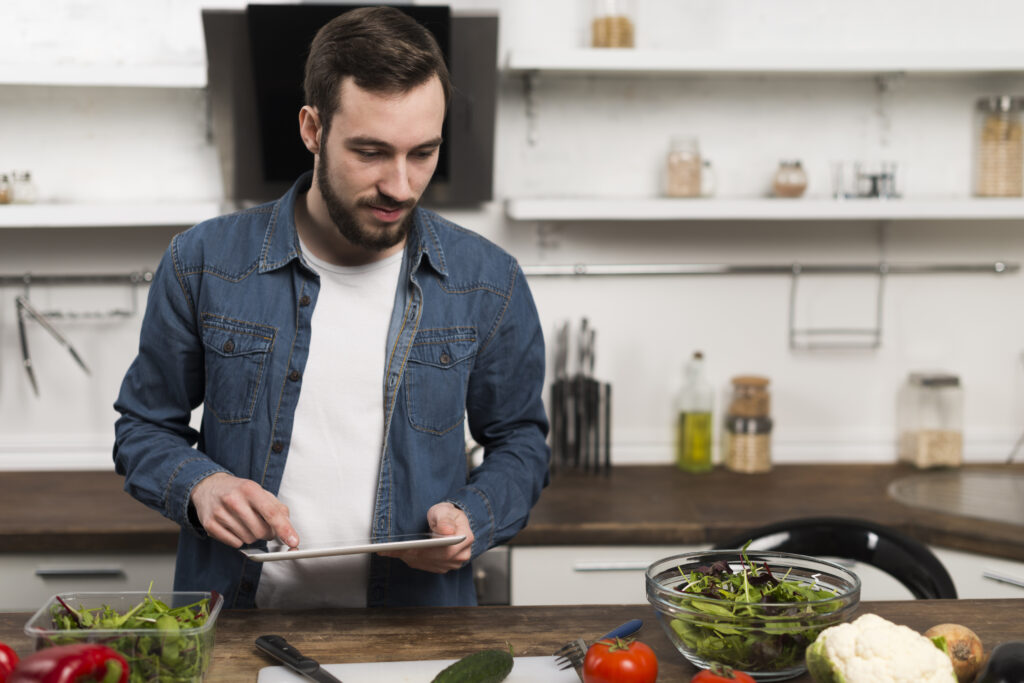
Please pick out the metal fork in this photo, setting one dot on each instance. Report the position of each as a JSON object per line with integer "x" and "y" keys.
{"x": 572, "y": 653}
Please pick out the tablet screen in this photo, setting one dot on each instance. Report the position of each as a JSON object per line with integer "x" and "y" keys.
{"x": 353, "y": 547}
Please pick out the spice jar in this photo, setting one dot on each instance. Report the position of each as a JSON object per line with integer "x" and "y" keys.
{"x": 930, "y": 420}
{"x": 612, "y": 24}
{"x": 683, "y": 168}
{"x": 747, "y": 439}
{"x": 5, "y": 189}
{"x": 1000, "y": 147}
{"x": 790, "y": 180}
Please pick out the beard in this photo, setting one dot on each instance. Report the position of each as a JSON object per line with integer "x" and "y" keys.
{"x": 367, "y": 237}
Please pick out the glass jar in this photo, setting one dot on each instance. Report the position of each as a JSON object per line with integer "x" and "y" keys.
{"x": 790, "y": 180}
{"x": 930, "y": 420}
{"x": 747, "y": 444}
{"x": 747, "y": 437}
{"x": 5, "y": 189}
{"x": 999, "y": 166}
{"x": 683, "y": 168}
{"x": 23, "y": 190}
{"x": 612, "y": 24}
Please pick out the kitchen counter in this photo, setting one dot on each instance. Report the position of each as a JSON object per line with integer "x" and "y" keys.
{"x": 373, "y": 635}
{"x": 632, "y": 505}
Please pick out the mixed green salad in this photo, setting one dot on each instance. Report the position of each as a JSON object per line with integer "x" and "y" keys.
{"x": 171, "y": 653}
{"x": 750, "y": 618}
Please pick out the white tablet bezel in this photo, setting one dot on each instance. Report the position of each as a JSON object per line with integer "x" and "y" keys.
{"x": 354, "y": 547}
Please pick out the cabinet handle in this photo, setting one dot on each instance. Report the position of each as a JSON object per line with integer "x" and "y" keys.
{"x": 610, "y": 566}
{"x": 80, "y": 572}
{"x": 1003, "y": 578}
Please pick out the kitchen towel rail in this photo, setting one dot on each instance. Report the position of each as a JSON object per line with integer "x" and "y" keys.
{"x": 795, "y": 269}
{"x": 29, "y": 279}
{"x": 800, "y": 338}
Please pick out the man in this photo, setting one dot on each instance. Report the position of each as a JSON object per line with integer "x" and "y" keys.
{"x": 338, "y": 339}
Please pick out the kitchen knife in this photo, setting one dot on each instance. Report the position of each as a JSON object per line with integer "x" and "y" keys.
{"x": 279, "y": 648}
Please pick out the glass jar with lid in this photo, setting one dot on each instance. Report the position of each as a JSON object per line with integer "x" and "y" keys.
{"x": 747, "y": 437}
{"x": 683, "y": 168}
{"x": 999, "y": 165}
{"x": 790, "y": 179}
{"x": 612, "y": 24}
{"x": 930, "y": 420}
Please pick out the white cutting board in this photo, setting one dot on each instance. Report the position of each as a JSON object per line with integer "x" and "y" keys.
{"x": 525, "y": 670}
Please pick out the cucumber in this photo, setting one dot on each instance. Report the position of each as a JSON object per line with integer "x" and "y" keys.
{"x": 486, "y": 666}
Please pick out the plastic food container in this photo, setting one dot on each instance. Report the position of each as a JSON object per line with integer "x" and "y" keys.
{"x": 164, "y": 654}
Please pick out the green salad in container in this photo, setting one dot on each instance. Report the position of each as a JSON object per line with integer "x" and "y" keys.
{"x": 753, "y": 611}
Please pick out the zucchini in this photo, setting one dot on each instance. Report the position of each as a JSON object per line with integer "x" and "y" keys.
{"x": 486, "y": 666}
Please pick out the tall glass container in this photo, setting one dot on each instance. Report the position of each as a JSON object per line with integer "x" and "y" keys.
{"x": 693, "y": 418}
{"x": 930, "y": 420}
{"x": 999, "y": 167}
{"x": 747, "y": 438}
{"x": 613, "y": 24}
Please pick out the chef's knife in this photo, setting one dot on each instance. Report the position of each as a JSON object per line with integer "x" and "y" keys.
{"x": 279, "y": 648}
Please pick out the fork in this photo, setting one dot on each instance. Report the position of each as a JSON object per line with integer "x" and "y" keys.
{"x": 572, "y": 653}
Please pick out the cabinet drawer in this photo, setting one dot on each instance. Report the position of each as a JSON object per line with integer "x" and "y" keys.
{"x": 584, "y": 575}
{"x": 27, "y": 580}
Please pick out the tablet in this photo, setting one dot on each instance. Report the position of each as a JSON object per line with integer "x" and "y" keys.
{"x": 363, "y": 545}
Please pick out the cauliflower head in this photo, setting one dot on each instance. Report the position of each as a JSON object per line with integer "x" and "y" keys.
{"x": 871, "y": 649}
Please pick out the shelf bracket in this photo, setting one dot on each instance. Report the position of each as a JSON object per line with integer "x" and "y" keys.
{"x": 530, "y": 105}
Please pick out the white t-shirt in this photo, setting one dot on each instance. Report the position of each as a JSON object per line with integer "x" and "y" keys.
{"x": 330, "y": 478}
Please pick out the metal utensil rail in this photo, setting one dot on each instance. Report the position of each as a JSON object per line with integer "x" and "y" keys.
{"x": 806, "y": 338}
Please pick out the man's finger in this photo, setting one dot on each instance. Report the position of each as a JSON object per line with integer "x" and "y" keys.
{"x": 275, "y": 513}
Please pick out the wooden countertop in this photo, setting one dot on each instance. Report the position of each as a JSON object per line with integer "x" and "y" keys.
{"x": 661, "y": 505}
{"x": 633, "y": 505}
{"x": 373, "y": 635}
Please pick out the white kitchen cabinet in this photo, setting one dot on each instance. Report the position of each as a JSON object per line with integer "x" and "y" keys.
{"x": 614, "y": 575}
{"x": 27, "y": 580}
{"x": 582, "y": 575}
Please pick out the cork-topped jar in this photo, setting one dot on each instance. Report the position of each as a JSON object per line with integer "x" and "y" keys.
{"x": 748, "y": 426}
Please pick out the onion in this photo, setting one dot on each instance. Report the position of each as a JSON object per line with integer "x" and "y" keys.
{"x": 963, "y": 647}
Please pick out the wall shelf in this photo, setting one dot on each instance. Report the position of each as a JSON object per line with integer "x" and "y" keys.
{"x": 106, "y": 215}
{"x": 666, "y": 209}
{"x": 646, "y": 61}
{"x": 105, "y": 75}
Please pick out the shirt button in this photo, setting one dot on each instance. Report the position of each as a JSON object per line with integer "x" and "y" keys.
{"x": 294, "y": 375}
{"x": 391, "y": 381}
{"x": 445, "y": 359}
{"x": 304, "y": 300}
{"x": 277, "y": 447}
{"x": 229, "y": 346}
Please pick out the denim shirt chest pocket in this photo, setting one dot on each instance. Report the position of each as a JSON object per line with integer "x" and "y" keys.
{"x": 436, "y": 377}
{"x": 236, "y": 356}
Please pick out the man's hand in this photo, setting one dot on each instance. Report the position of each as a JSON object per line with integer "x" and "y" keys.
{"x": 236, "y": 511}
{"x": 447, "y": 520}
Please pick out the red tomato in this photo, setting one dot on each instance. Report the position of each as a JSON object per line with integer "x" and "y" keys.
{"x": 719, "y": 673}
{"x": 620, "y": 661}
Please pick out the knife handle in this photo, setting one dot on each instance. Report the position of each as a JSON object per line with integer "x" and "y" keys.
{"x": 627, "y": 629}
{"x": 281, "y": 649}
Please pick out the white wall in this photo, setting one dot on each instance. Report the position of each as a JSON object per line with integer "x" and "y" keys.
{"x": 590, "y": 136}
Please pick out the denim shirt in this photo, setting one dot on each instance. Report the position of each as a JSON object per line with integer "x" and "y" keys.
{"x": 227, "y": 325}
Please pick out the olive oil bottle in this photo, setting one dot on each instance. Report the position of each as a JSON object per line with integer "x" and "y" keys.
{"x": 693, "y": 418}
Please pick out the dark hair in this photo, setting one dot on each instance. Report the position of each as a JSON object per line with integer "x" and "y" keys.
{"x": 382, "y": 48}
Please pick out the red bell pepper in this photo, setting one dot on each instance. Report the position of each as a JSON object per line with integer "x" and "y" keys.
{"x": 70, "y": 663}
{"x": 8, "y": 660}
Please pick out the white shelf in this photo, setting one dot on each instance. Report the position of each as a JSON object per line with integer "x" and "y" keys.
{"x": 665, "y": 209}
{"x": 82, "y": 75}
{"x": 644, "y": 61}
{"x": 105, "y": 215}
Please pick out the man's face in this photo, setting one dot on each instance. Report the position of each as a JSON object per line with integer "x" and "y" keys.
{"x": 377, "y": 158}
